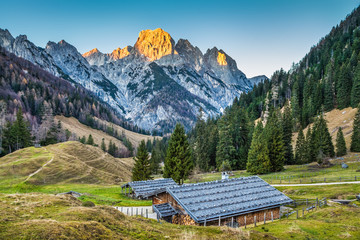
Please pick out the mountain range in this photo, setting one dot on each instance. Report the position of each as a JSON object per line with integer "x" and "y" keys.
{"x": 154, "y": 84}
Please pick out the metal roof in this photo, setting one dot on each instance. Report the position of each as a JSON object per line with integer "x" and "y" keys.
{"x": 226, "y": 198}
{"x": 148, "y": 188}
{"x": 164, "y": 210}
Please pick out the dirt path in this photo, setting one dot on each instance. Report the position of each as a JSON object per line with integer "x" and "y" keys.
{"x": 41, "y": 168}
{"x": 313, "y": 184}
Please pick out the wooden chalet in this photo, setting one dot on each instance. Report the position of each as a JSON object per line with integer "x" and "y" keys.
{"x": 146, "y": 189}
{"x": 229, "y": 202}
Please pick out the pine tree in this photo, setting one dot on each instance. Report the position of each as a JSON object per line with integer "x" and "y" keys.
{"x": 355, "y": 137}
{"x": 258, "y": 157}
{"x": 224, "y": 149}
{"x": 322, "y": 138}
{"x": 355, "y": 91}
{"x": 275, "y": 143}
{"x": 141, "y": 170}
{"x": 103, "y": 146}
{"x": 344, "y": 86}
{"x": 90, "y": 140}
{"x": 83, "y": 140}
{"x": 178, "y": 162}
{"x": 111, "y": 148}
{"x": 300, "y": 154}
{"x": 287, "y": 135}
{"x": 17, "y": 135}
{"x": 201, "y": 143}
{"x": 310, "y": 154}
{"x": 157, "y": 157}
{"x": 340, "y": 144}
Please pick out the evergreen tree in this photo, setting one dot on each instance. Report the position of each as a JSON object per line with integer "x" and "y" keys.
{"x": 344, "y": 86}
{"x": 90, "y": 140}
{"x": 201, "y": 143}
{"x": 225, "y": 166}
{"x": 141, "y": 170}
{"x": 103, "y": 146}
{"x": 355, "y": 91}
{"x": 287, "y": 135}
{"x": 275, "y": 143}
{"x": 224, "y": 149}
{"x": 157, "y": 157}
{"x": 178, "y": 162}
{"x": 310, "y": 152}
{"x": 355, "y": 137}
{"x": 17, "y": 135}
{"x": 300, "y": 154}
{"x": 83, "y": 140}
{"x": 258, "y": 157}
{"x": 340, "y": 144}
{"x": 111, "y": 148}
{"x": 322, "y": 138}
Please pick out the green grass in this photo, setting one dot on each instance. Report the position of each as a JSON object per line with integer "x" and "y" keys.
{"x": 99, "y": 194}
{"x": 306, "y": 173}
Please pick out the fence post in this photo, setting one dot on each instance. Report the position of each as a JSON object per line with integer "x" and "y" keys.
{"x": 142, "y": 210}
{"x": 355, "y": 178}
{"x": 272, "y": 217}
{"x": 147, "y": 213}
{"x": 232, "y": 222}
{"x": 205, "y": 223}
{"x": 245, "y": 221}
{"x": 132, "y": 212}
{"x": 219, "y": 220}
{"x": 255, "y": 220}
{"x": 324, "y": 179}
{"x": 300, "y": 180}
{"x": 306, "y": 202}
{"x": 136, "y": 211}
{"x": 264, "y": 217}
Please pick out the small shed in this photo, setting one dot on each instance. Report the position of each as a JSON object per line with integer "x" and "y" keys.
{"x": 232, "y": 202}
{"x": 146, "y": 189}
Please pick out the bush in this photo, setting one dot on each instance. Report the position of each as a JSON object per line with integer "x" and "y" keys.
{"x": 88, "y": 204}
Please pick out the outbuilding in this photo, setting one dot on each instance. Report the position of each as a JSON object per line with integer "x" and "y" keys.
{"x": 232, "y": 202}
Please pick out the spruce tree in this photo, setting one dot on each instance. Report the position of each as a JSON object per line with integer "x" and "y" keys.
{"x": 201, "y": 143}
{"x": 310, "y": 152}
{"x": 178, "y": 163}
{"x": 83, "y": 139}
{"x": 275, "y": 143}
{"x": 300, "y": 154}
{"x": 344, "y": 85}
{"x": 103, "y": 145}
{"x": 355, "y": 137}
{"x": 287, "y": 125}
{"x": 141, "y": 170}
{"x": 340, "y": 144}
{"x": 90, "y": 140}
{"x": 258, "y": 157}
{"x": 17, "y": 135}
{"x": 355, "y": 91}
{"x": 156, "y": 157}
{"x": 322, "y": 138}
{"x": 224, "y": 149}
{"x": 111, "y": 148}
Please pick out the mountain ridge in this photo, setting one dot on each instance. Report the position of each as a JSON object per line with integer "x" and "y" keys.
{"x": 128, "y": 78}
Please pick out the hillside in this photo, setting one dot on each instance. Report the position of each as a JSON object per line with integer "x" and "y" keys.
{"x": 134, "y": 137}
{"x": 336, "y": 118}
{"x": 74, "y": 126}
{"x": 68, "y": 162}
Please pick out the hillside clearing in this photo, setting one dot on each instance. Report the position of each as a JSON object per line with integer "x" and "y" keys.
{"x": 73, "y": 162}
{"x": 74, "y": 126}
{"x": 336, "y": 118}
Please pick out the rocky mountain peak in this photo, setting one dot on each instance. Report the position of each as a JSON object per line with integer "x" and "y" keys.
{"x": 6, "y": 39}
{"x": 120, "y": 53}
{"x": 91, "y": 52}
{"x": 221, "y": 59}
{"x": 154, "y": 44}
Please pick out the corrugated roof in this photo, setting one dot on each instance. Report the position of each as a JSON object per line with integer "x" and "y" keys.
{"x": 148, "y": 188}
{"x": 164, "y": 210}
{"x": 228, "y": 197}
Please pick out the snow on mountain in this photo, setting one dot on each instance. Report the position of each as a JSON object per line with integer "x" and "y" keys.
{"x": 156, "y": 83}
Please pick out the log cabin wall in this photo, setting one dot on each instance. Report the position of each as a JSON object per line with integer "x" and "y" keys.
{"x": 166, "y": 198}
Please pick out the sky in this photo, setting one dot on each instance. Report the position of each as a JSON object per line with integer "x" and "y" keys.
{"x": 261, "y": 35}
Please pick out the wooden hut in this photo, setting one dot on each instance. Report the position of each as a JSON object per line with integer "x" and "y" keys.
{"x": 146, "y": 189}
{"x": 229, "y": 202}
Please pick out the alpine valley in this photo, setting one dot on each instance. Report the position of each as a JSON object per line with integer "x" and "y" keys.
{"x": 154, "y": 84}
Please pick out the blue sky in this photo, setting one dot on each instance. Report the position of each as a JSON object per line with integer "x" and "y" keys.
{"x": 261, "y": 35}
